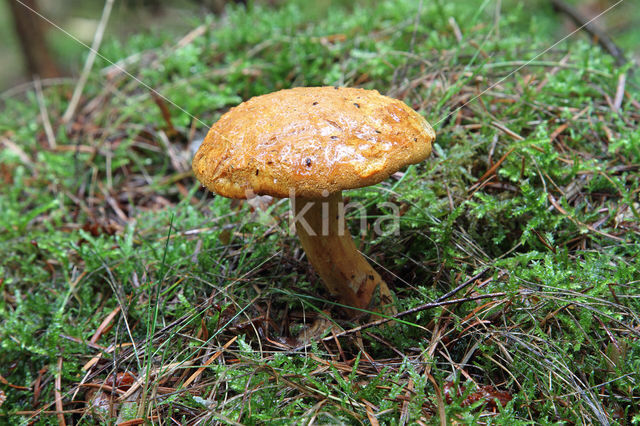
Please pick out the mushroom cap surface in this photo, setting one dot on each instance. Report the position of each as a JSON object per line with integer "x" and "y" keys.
{"x": 309, "y": 140}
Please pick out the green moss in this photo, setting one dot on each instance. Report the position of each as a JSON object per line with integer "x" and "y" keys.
{"x": 111, "y": 220}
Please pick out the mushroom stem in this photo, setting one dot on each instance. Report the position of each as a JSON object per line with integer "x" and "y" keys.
{"x": 321, "y": 228}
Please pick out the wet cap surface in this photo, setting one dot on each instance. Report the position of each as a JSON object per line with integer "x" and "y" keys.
{"x": 309, "y": 140}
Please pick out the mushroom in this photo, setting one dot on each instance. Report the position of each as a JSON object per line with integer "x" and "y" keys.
{"x": 309, "y": 144}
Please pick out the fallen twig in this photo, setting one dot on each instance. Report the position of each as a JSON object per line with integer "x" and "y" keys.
{"x": 586, "y": 24}
{"x": 437, "y": 303}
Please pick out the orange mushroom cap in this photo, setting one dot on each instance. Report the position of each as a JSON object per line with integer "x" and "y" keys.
{"x": 310, "y": 140}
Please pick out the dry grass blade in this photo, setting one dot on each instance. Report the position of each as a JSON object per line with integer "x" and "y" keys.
{"x": 209, "y": 361}
{"x": 564, "y": 126}
{"x": 492, "y": 170}
{"x": 104, "y": 325}
{"x": 138, "y": 421}
{"x": 370, "y": 413}
{"x": 13, "y": 147}
{"x": 617, "y": 100}
{"x": 6, "y": 382}
{"x": 506, "y": 130}
{"x": 442, "y": 415}
{"x": 58, "y": 394}
{"x": 93, "y": 52}
{"x": 46, "y": 122}
{"x": 558, "y": 207}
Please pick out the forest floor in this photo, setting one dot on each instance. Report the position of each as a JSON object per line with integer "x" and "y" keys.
{"x": 130, "y": 294}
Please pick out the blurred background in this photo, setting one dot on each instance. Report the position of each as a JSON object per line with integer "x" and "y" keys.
{"x": 30, "y": 46}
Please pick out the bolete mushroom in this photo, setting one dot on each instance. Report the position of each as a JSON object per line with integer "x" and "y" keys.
{"x": 309, "y": 144}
